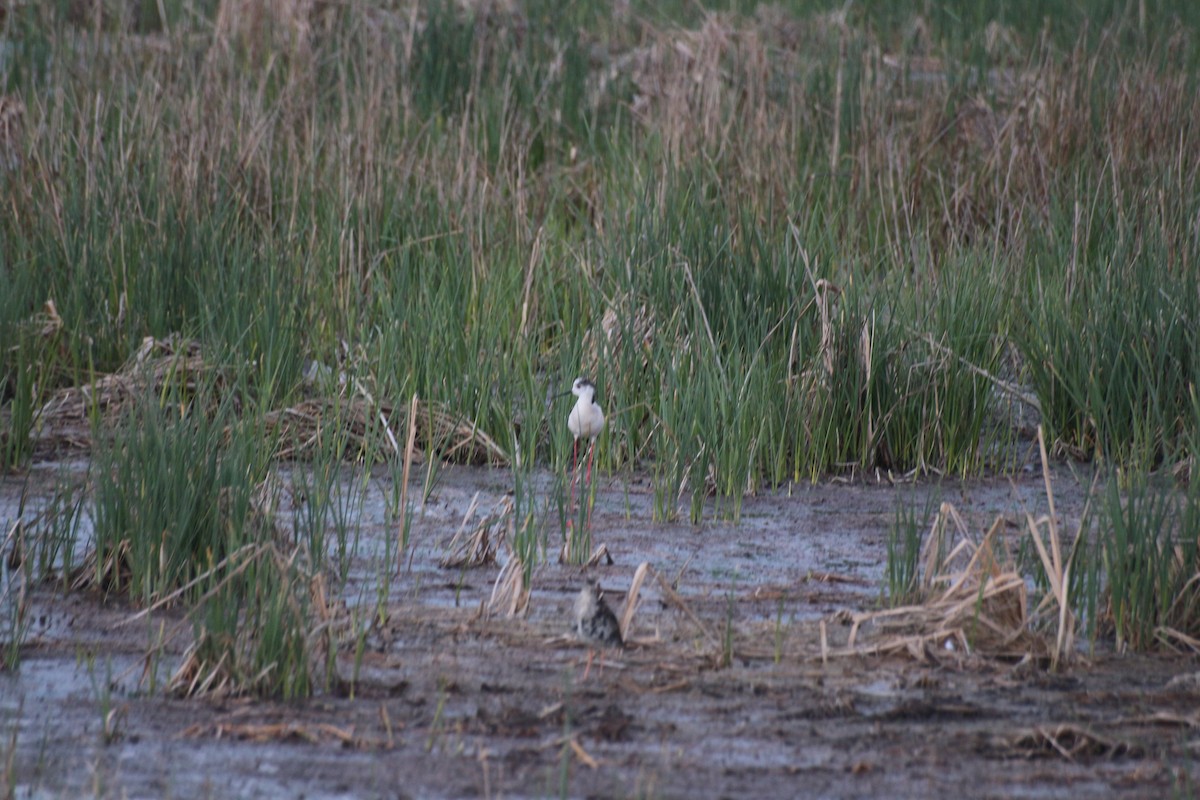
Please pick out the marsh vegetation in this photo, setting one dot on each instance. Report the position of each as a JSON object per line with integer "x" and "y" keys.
{"x": 257, "y": 257}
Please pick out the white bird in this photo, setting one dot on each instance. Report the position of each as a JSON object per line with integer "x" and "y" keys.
{"x": 586, "y": 422}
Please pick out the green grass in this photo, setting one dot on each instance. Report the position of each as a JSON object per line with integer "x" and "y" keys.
{"x": 1151, "y": 556}
{"x": 253, "y": 631}
{"x": 493, "y": 190}
{"x": 174, "y": 496}
{"x": 902, "y": 571}
{"x": 184, "y": 512}
{"x": 14, "y": 624}
{"x": 1111, "y": 345}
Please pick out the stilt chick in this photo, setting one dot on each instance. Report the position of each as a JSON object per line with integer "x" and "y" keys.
{"x": 595, "y": 622}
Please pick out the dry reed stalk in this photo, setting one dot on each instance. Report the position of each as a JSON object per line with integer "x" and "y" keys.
{"x": 674, "y": 599}
{"x": 1182, "y": 719}
{"x": 631, "y": 598}
{"x": 65, "y": 417}
{"x": 974, "y": 602}
{"x": 934, "y": 556}
{"x": 825, "y": 291}
{"x": 582, "y": 754}
{"x": 251, "y": 552}
{"x": 1067, "y": 741}
{"x": 12, "y": 134}
{"x": 510, "y": 595}
{"x": 1186, "y": 593}
{"x": 1058, "y": 574}
{"x": 1176, "y": 638}
{"x": 314, "y": 733}
{"x": 565, "y": 553}
{"x": 385, "y": 719}
{"x": 600, "y": 554}
{"x": 528, "y": 298}
{"x": 839, "y": 80}
{"x": 491, "y": 533}
{"x": 712, "y": 341}
{"x": 14, "y": 543}
{"x": 322, "y": 637}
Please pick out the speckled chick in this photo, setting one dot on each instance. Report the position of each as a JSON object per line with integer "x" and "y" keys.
{"x": 595, "y": 622}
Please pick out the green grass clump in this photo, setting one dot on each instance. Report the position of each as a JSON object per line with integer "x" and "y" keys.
{"x": 254, "y": 633}
{"x": 174, "y": 497}
{"x": 1151, "y": 557}
{"x": 21, "y": 391}
{"x": 1111, "y": 350}
{"x": 184, "y": 509}
{"x": 902, "y": 571}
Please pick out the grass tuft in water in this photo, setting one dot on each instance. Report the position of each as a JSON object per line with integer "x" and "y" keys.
{"x": 1151, "y": 556}
{"x": 903, "y": 554}
{"x": 175, "y": 492}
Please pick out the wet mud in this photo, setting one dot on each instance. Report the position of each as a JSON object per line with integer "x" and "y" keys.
{"x": 722, "y": 691}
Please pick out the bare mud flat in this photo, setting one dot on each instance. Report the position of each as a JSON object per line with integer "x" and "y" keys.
{"x": 723, "y": 696}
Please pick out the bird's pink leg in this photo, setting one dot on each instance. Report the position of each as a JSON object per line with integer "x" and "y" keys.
{"x": 574, "y": 473}
{"x": 588, "y": 481}
{"x": 588, "y": 668}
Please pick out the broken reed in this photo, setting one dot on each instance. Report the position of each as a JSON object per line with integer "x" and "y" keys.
{"x": 1128, "y": 575}
{"x": 479, "y": 203}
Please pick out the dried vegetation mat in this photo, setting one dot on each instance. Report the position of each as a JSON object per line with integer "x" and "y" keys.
{"x": 973, "y": 598}
{"x": 367, "y": 425}
{"x": 1069, "y": 742}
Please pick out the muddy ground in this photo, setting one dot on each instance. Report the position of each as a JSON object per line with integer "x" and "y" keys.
{"x": 451, "y": 702}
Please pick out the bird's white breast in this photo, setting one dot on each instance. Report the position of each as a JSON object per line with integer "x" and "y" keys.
{"x": 585, "y": 606}
{"x": 586, "y": 420}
